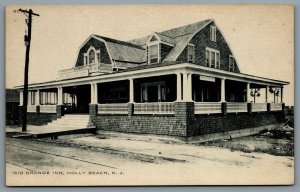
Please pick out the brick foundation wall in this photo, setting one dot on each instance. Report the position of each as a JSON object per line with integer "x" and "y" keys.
{"x": 38, "y": 118}
{"x": 184, "y": 123}
{"x": 207, "y": 124}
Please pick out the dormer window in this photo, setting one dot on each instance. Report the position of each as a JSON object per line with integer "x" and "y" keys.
{"x": 212, "y": 58}
{"x": 153, "y": 53}
{"x": 213, "y": 33}
{"x": 231, "y": 63}
{"x": 191, "y": 53}
{"x": 92, "y": 56}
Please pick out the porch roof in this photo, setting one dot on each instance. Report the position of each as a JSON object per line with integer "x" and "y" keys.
{"x": 159, "y": 69}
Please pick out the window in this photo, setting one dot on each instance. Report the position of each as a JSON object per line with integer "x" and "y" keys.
{"x": 191, "y": 53}
{"x": 231, "y": 63}
{"x": 91, "y": 56}
{"x": 213, "y": 33}
{"x": 31, "y": 98}
{"x": 212, "y": 58}
{"x": 207, "y": 58}
{"x": 153, "y": 54}
{"x": 48, "y": 98}
{"x": 217, "y": 60}
{"x": 98, "y": 57}
{"x": 85, "y": 60}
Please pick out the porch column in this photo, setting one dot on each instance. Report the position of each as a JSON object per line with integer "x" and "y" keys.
{"x": 21, "y": 98}
{"x": 95, "y": 93}
{"x": 187, "y": 87}
{"x": 248, "y": 92}
{"x": 131, "y": 91}
{"x": 59, "y": 96}
{"x": 223, "y": 90}
{"x": 281, "y": 94}
{"x": 92, "y": 93}
{"x": 267, "y": 93}
{"x": 37, "y": 97}
{"x": 179, "y": 90}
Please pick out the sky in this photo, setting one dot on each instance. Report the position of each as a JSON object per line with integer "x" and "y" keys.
{"x": 260, "y": 36}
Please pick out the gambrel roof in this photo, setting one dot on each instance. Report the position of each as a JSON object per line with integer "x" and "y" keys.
{"x": 135, "y": 51}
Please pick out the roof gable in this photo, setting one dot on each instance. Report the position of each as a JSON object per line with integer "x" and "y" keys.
{"x": 184, "y": 38}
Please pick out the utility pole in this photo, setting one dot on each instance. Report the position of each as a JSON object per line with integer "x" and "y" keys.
{"x": 27, "y": 39}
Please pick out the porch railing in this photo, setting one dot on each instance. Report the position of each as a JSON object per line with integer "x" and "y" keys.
{"x": 154, "y": 108}
{"x": 84, "y": 70}
{"x": 47, "y": 108}
{"x": 237, "y": 107}
{"x": 258, "y": 107}
{"x": 31, "y": 108}
{"x": 114, "y": 108}
{"x": 207, "y": 107}
{"x": 275, "y": 106}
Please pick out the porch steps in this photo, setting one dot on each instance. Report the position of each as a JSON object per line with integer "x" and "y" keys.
{"x": 71, "y": 121}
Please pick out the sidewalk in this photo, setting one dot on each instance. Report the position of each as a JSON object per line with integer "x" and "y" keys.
{"x": 36, "y": 131}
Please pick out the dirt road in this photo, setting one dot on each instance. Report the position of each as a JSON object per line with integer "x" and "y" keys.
{"x": 36, "y": 163}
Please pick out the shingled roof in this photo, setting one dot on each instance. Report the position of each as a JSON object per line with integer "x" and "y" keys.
{"x": 134, "y": 50}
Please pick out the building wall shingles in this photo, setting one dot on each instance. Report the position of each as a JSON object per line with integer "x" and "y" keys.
{"x": 104, "y": 56}
{"x": 202, "y": 40}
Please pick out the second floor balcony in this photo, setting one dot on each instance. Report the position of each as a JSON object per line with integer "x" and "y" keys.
{"x": 85, "y": 70}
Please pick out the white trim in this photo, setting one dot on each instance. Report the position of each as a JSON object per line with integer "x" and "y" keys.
{"x": 231, "y": 56}
{"x": 215, "y": 51}
{"x": 190, "y": 44}
{"x": 213, "y": 33}
{"x": 87, "y": 54}
{"x": 149, "y": 42}
{"x": 158, "y": 53}
{"x": 164, "y": 70}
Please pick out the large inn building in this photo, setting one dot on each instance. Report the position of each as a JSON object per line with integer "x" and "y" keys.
{"x": 183, "y": 82}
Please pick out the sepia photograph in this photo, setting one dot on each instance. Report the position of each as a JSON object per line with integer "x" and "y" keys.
{"x": 149, "y": 95}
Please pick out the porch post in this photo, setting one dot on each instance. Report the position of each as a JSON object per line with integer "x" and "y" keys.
{"x": 95, "y": 93}
{"x": 187, "y": 87}
{"x": 223, "y": 90}
{"x": 131, "y": 91}
{"x": 92, "y": 93}
{"x": 179, "y": 90}
{"x": 281, "y": 93}
{"x": 21, "y": 98}
{"x": 59, "y": 96}
{"x": 248, "y": 92}
{"x": 267, "y": 93}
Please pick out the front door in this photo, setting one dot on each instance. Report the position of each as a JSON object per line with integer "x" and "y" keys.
{"x": 152, "y": 93}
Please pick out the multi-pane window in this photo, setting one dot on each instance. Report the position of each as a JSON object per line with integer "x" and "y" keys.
{"x": 91, "y": 56}
{"x": 213, "y": 33}
{"x": 217, "y": 60}
{"x": 212, "y": 58}
{"x": 231, "y": 63}
{"x": 48, "y": 98}
{"x": 153, "y": 53}
{"x": 31, "y": 98}
{"x": 191, "y": 53}
{"x": 207, "y": 58}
